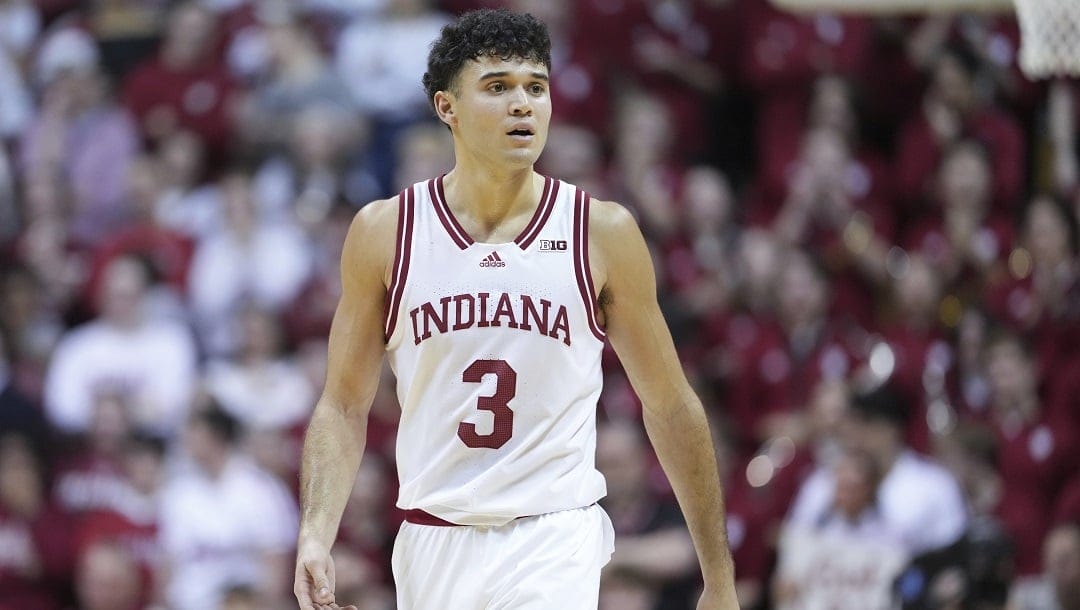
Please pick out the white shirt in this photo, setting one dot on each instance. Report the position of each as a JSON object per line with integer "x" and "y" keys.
{"x": 215, "y": 532}
{"x": 154, "y": 365}
{"x": 379, "y": 61}
{"x": 269, "y": 268}
{"x": 273, "y": 395}
{"x": 918, "y": 499}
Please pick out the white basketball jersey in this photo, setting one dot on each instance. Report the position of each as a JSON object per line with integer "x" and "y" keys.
{"x": 496, "y": 349}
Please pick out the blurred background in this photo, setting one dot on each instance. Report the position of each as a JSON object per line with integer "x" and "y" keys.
{"x": 864, "y": 229}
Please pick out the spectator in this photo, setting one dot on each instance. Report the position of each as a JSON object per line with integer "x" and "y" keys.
{"x": 17, "y": 413}
{"x": 91, "y": 477}
{"x": 128, "y": 521}
{"x": 247, "y": 261}
{"x": 259, "y": 385}
{"x": 1058, "y": 587}
{"x": 574, "y": 153}
{"x": 848, "y": 556}
{"x": 16, "y": 103}
{"x": 30, "y": 327}
{"x": 969, "y": 238}
{"x": 643, "y": 163}
{"x": 185, "y": 86}
{"x": 48, "y": 247}
{"x": 319, "y": 168}
{"x": 166, "y": 250}
{"x": 423, "y": 150}
{"x": 189, "y": 205}
{"x": 1040, "y": 297}
{"x": 35, "y": 559}
{"x": 952, "y": 111}
{"x": 913, "y": 339}
{"x": 369, "y": 525}
{"x": 653, "y": 543}
{"x": 803, "y": 347}
{"x": 151, "y": 362}
{"x": 22, "y": 25}
{"x": 224, "y": 521}
{"x": 1037, "y": 455}
{"x": 918, "y": 499}
{"x": 299, "y": 77}
{"x": 377, "y": 60}
{"x": 309, "y": 315}
{"x": 106, "y": 578}
{"x": 81, "y": 133}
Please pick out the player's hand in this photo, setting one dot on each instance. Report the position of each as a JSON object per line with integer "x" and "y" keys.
{"x": 314, "y": 581}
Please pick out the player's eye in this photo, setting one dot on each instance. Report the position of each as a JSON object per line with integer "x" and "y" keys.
{"x": 497, "y": 87}
{"x": 537, "y": 89}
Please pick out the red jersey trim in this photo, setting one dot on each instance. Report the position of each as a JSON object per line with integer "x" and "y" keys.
{"x": 540, "y": 217}
{"x": 460, "y": 237}
{"x": 402, "y": 257}
{"x": 582, "y": 272}
{"x": 422, "y": 517}
{"x": 453, "y": 228}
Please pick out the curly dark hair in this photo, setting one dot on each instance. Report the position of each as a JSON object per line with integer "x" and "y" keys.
{"x": 495, "y": 32}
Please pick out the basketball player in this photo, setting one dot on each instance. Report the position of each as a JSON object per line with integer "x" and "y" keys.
{"x": 492, "y": 289}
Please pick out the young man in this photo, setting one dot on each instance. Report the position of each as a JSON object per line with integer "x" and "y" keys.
{"x": 492, "y": 290}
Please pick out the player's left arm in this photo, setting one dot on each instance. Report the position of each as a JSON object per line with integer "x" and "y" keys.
{"x": 674, "y": 417}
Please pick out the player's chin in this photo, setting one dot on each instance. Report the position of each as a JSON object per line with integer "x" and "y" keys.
{"x": 523, "y": 157}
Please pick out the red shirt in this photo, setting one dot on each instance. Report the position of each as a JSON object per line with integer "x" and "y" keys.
{"x": 167, "y": 250}
{"x": 776, "y": 377}
{"x": 199, "y": 97}
{"x": 41, "y": 545}
{"x": 919, "y": 156}
{"x": 1034, "y": 461}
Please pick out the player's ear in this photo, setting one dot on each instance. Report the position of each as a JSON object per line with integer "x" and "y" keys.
{"x": 444, "y": 107}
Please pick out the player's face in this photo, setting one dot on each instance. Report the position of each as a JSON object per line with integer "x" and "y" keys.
{"x": 500, "y": 110}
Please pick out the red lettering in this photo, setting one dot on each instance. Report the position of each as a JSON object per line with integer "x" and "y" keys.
{"x": 431, "y": 317}
{"x": 505, "y": 390}
{"x": 483, "y": 323}
{"x": 460, "y": 312}
{"x": 415, "y": 327}
{"x": 562, "y": 322}
{"x": 504, "y": 310}
{"x": 527, "y": 308}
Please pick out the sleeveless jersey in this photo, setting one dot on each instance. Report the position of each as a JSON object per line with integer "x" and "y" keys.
{"x": 496, "y": 349}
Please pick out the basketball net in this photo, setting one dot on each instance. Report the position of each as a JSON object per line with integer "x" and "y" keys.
{"x": 1050, "y": 37}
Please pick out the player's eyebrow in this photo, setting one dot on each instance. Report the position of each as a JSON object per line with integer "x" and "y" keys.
{"x": 504, "y": 74}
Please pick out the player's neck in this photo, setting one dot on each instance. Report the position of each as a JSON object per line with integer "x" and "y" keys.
{"x": 489, "y": 198}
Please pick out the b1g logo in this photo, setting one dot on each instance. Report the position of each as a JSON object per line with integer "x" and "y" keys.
{"x": 553, "y": 245}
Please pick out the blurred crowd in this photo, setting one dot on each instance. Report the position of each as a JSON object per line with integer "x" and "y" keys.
{"x": 865, "y": 233}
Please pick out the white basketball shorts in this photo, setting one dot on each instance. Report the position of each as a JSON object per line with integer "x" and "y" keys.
{"x": 546, "y": 562}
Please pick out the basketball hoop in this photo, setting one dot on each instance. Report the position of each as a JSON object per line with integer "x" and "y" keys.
{"x": 1050, "y": 37}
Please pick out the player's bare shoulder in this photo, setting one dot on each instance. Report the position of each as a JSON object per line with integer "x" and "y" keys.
{"x": 613, "y": 235}
{"x": 369, "y": 245}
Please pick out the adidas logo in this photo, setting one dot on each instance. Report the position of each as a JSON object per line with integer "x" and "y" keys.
{"x": 492, "y": 260}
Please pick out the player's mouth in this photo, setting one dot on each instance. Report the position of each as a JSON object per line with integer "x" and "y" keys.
{"x": 521, "y": 133}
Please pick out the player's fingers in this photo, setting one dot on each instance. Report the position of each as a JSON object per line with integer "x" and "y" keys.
{"x": 320, "y": 583}
{"x": 302, "y": 591}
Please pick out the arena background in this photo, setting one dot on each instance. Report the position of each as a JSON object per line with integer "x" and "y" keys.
{"x": 864, "y": 229}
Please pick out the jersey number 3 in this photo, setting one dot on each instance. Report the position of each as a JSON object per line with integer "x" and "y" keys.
{"x": 505, "y": 390}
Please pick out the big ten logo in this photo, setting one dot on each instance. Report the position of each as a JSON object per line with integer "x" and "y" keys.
{"x": 553, "y": 245}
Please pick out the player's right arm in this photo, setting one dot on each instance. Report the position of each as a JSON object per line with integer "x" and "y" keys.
{"x": 337, "y": 431}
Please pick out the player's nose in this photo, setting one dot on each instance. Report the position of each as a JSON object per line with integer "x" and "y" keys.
{"x": 519, "y": 102}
